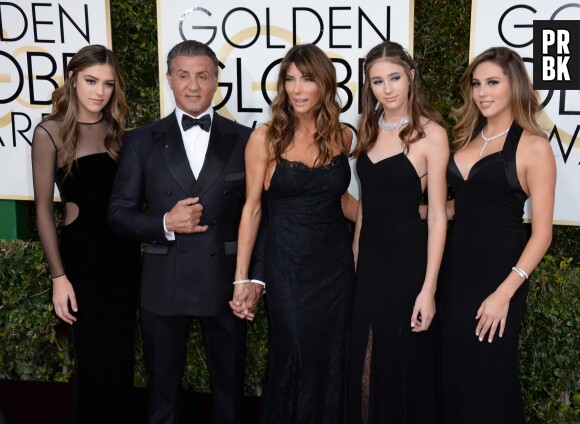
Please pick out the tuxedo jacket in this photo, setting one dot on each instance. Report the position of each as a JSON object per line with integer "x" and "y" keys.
{"x": 193, "y": 274}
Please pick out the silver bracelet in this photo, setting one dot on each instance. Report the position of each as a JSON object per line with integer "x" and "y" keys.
{"x": 240, "y": 282}
{"x": 521, "y": 272}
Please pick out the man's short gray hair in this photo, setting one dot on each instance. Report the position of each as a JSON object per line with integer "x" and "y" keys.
{"x": 192, "y": 48}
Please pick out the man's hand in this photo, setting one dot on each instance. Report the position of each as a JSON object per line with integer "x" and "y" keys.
{"x": 184, "y": 217}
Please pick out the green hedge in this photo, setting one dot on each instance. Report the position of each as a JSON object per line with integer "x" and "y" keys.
{"x": 36, "y": 346}
{"x": 550, "y": 343}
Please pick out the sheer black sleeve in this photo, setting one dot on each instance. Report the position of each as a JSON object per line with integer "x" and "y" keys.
{"x": 44, "y": 162}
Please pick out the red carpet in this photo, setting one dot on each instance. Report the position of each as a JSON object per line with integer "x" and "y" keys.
{"x": 33, "y": 402}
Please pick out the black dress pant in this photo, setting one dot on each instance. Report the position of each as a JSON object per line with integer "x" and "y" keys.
{"x": 165, "y": 350}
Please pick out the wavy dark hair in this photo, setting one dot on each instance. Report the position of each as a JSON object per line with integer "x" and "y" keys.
{"x": 314, "y": 63}
{"x": 368, "y": 127}
{"x": 65, "y": 103}
{"x": 524, "y": 100}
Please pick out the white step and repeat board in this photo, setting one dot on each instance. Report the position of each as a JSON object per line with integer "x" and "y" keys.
{"x": 37, "y": 40}
{"x": 510, "y": 23}
{"x": 250, "y": 38}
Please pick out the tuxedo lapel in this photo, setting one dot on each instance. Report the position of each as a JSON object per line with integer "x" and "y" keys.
{"x": 173, "y": 152}
{"x": 218, "y": 152}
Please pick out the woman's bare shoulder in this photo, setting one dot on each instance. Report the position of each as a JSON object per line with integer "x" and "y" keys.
{"x": 257, "y": 144}
{"x": 435, "y": 135}
{"x": 533, "y": 148}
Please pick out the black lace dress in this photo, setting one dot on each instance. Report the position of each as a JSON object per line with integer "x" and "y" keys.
{"x": 310, "y": 275}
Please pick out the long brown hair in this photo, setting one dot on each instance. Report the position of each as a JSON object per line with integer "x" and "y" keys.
{"x": 314, "y": 63}
{"x": 65, "y": 103}
{"x": 524, "y": 101}
{"x": 368, "y": 127}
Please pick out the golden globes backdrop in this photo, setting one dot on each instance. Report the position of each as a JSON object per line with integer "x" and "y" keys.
{"x": 510, "y": 23}
{"x": 250, "y": 38}
{"x": 37, "y": 41}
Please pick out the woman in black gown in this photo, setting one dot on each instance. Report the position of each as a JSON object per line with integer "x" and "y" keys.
{"x": 299, "y": 159}
{"x": 501, "y": 158}
{"x": 402, "y": 150}
{"x": 95, "y": 274}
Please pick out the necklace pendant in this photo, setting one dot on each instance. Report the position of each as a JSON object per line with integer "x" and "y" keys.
{"x": 483, "y": 148}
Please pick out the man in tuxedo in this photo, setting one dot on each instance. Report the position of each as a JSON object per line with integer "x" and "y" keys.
{"x": 188, "y": 168}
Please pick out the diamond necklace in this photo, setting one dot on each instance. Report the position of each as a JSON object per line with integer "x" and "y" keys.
{"x": 388, "y": 126}
{"x": 488, "y": 139}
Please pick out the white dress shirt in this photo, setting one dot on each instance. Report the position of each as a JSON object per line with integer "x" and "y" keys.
{"x": 195, "y": 141}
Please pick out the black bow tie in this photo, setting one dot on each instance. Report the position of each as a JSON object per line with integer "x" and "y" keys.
{"x": 204, "y": 122}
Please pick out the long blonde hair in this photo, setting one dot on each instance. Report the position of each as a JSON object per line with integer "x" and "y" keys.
{"x": 368, "y": 127}
{"x": 314, "y": 63}
{"x": 524, "y": 101}
{"x": 65, "y": 103}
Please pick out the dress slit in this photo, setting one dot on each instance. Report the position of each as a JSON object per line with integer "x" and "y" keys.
{"x": 366, "y": 378}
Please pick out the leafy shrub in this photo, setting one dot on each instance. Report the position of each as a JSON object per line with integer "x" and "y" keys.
{"x": 550, "y": 343}
{"x": 34, "y": 345}
{"x": 134, "y": 27}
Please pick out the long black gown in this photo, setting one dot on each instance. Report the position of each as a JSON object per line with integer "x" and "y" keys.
{"x": 310, "y": 276}
{"x": 393, "y": 372}
{"x": 480, "y": 379}
{"x": 104, "y": 270}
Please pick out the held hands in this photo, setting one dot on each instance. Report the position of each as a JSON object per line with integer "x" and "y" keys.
{"x": 491, "y": 314}
{"x": 423, "y": 312}
{"x": 62, "y": 293}
{"x": 184, "y": 217}
{"x": 245, "y": 300}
